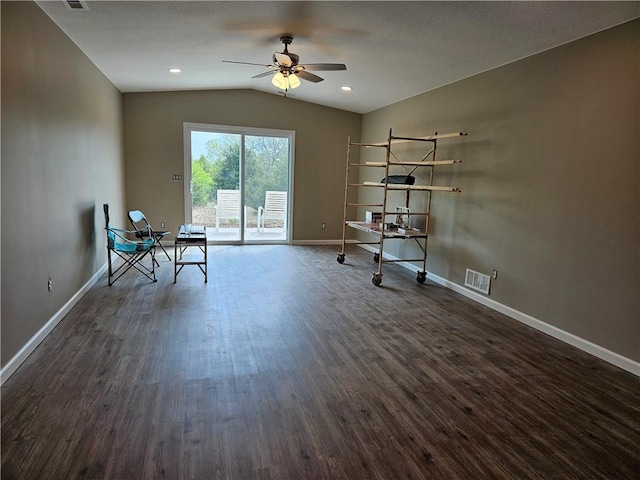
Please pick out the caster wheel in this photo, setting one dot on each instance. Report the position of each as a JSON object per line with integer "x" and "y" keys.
{"x": 376, "y": 257}
{"x": 422, "y": 277}
{"x": 376, "y": 279}
{"x": 340, "y": 258}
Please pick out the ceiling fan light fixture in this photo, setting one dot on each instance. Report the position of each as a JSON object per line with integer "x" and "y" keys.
{"x": 279, "y": 81}
{"x": 285, "y": 82}
{"x": 294, "y": 81}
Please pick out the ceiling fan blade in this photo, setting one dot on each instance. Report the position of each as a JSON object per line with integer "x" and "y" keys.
{"x": 324, "y": 66}
{"x": 264, "y": 74}
{"x": 309, "y": 76}
{"x": 248, "y": 63}
{"x": 283, "y": 59}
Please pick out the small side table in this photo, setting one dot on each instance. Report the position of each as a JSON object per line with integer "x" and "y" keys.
{"x": 190, "y": 236}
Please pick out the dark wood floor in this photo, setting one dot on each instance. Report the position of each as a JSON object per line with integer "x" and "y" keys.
{"x": 287, "y": 365}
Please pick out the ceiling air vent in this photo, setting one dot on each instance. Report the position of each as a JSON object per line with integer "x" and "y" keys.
{"x": 76, "y": 4}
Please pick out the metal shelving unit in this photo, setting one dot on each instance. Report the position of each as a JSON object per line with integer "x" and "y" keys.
{"x": 387, "y": 230}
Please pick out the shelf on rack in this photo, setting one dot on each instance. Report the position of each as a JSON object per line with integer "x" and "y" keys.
{"x": 398, "y": 186}
{"x": 409, "y": 164}
{"x": 375, "y": 229}
{"x": 414, "y": 139}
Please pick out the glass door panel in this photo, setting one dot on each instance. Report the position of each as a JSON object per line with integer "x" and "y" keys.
{"x": 266, "y": 192}
{"x": 215, "y": 183}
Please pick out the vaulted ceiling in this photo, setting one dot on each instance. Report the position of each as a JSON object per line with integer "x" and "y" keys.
{"x": 392, "y": 50}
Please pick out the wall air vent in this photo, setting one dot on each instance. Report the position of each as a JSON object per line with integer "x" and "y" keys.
{"x": 76, "y": 4}
{"x": 477, "y": 281}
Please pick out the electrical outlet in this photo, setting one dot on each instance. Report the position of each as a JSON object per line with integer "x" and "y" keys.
{"x": 494, "y": 274}
{"x": 162, "y": 224}
{"x": 49, "y": 284}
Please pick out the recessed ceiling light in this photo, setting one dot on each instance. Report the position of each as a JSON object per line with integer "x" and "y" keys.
{"x": 175, "y": 70}
{"x": 346, "y": 88}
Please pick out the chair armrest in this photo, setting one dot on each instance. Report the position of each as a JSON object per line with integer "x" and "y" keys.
{"x": 121, "y": 234}
{"x": 121, "y": 231}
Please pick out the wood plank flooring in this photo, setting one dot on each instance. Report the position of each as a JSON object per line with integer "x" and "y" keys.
{"x": 288, "y": 365}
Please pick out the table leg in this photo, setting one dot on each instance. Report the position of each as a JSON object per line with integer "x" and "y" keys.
{"x": 175, "y": 260}
{"x": 205, "y": 262}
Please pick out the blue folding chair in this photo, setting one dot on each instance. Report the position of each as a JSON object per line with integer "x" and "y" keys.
{"x": 131, "y": 252}
{"x": 144, "y": 230}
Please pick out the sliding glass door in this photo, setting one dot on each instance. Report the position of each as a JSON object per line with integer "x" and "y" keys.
{"x": 238, "y": 182}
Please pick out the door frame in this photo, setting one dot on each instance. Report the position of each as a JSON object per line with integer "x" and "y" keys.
{"x": 188, "y": 127}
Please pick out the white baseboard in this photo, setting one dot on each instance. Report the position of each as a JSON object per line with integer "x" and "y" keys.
{"x": 573, "y": 340}
{"x": 13, "y": 364}
{"x": 317, "y": 242}
{"x": 293, "y": 242}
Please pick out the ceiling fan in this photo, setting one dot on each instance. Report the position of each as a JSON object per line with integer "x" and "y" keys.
{"x": 288, "y": 71}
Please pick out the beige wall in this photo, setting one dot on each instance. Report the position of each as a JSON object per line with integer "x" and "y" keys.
{"x": 61, "y": 158}
{"x": 550, "y": 184}
{"x": 153, "y": 137}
